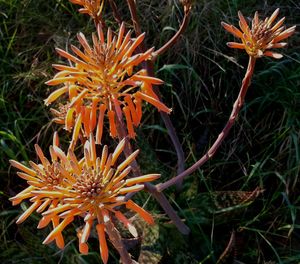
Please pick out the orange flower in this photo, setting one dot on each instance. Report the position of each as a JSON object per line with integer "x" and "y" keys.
{"x": 92, "y": 188}
{"x": 262, "y": 36}
{"x": 91, "y": 7}
{"x": 102, "y": 81}
{"x": 43, "y": 179}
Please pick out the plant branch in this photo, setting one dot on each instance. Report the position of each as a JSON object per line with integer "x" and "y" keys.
{"x": 150, "y": 70}
{"x": 233, "y": 116}
{"x": 116, "y": 240}
{"x": 175, "y": 38}
{"x": 116, "y": 13}
{"x": 134, "y": 17}
{"x": 160, "y": 197}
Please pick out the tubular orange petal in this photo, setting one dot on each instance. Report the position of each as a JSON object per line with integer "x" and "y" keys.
{"x": 72, "y": 91}
{"x": 60, "y": 154}
{"x": 83, "y": 247}
{"x": 120, "y": 35}
{"x": 59, "y": 238}
{"x": 285, "y": 34}
{"x": 243, "y": 23}
{"x": 68, "y": 56}
{"x": 57, "y": 210}
{"x": 86, "y": 231}
{"x": 93, "y": 115}
{"x": 134, "y": 188}
{"x": 273, "y": 54}
{"x": 99, "y": 130}
{"x": 130, "y": 129}
{"x": 55, "y": 139}
{"x": 278, "y": 24}
{"x": 28, "y": 212}
{"x": 122, "y": 175}
{"x": 148, "y": 79}
{"x": 86, "y": 120}
{"x": 43, "y": 206}
{"x": 103, "y": 157}
{"x": 40, "y": 153}
{"x": 26, "y": 177}
{"x": 143, "y": 213}
{"x": 126, "y": 223}
{"x": 76, "y": 131}
{"x": 235, "y": 45}
{"x": 273, "y": 16}
{"x": 102, "y": 242}
{"x": 118, "y": 150}
{"x": 140, "y": 179}
{"x": 45, "y": 220}
{"x": 57, "y": 81}
{"x": 54, "y": 95}
{"x": 57, "y": 230}
{"x": 132, "y": 109}
{"x": 69, "y": 119}
{"x": 139, "y": 113}
{"x": 128, "y": 160}
{"x": 21, "y": 167}
{"x": 78, "y": 97}
{"x": 233, "y": 30}
{"x": 112, "y": 124}
{"x": 160, "y": 106}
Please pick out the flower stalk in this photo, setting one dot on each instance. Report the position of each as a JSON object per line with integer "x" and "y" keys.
{"x": 233, "y": 116}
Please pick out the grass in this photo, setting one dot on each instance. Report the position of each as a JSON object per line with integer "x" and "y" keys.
{"x": 202, "y": 80}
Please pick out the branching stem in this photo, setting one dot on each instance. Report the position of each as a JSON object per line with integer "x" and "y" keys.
{"x": 150, "y": 70}
{"x": 175, "y": 38}
{"x": 160, "y": 197}
{"x": 116, "y": 13}
{"x": 116, "y": 240}
{"x": 235, "y": 111}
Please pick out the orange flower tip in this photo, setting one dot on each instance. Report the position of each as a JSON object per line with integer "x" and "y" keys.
{"x": 60, "y": 242}
{"x": 273, "y": 55}
{"x": 22, "y": 167}
{"x": 83, "y": 248}
{"x": 135, "y": 188}
{"x": 291, "y": 29}
{"x": 58, "y": 50}
{"x": 142, "y": 179}
{"x": 225, "y": 25}
{"x": 235, "y": 45}
{"x": 50, "y": 82}
{"x": 46, "y": 241}
{"x": 240, "y": 13}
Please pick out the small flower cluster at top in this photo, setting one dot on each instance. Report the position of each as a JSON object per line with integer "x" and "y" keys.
{"x": 262, "y": 36}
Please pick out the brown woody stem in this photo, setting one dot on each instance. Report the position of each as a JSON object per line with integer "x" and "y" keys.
{"x": 116, "y": 240}
{"x": 235, "y": 111}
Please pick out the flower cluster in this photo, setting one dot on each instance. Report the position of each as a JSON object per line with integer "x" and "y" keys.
{"x": 101, "y": 81}
{"x": 91, "y": 7}
{"x": 90, "y": 188}
{"x": 262, "y": 36}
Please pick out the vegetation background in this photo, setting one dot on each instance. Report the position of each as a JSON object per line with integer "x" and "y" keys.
{"x": 202, "y": 78}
